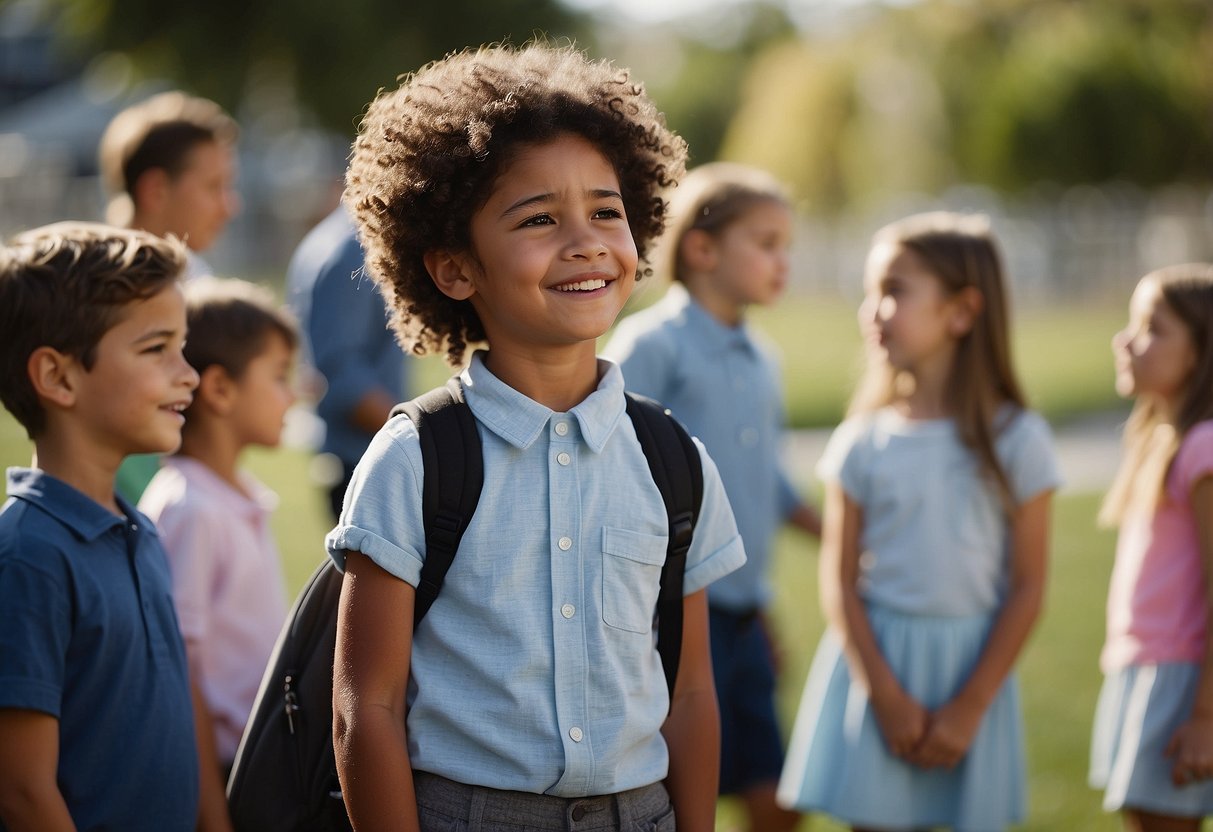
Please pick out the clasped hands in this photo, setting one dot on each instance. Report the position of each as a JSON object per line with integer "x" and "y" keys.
{"x": 928, "y": 739}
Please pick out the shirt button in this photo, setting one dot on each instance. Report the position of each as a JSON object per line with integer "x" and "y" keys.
{"x": 568, "y": 610}
{"x": 563, "y": 458}
{"x": 565, "y": 543}
{"x": 562, "y": 428}
{"x": 575, "y": 734}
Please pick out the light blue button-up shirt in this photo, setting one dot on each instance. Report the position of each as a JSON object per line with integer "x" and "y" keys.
{"x": 536, "y": 669}
{"x": 725, "y": 387}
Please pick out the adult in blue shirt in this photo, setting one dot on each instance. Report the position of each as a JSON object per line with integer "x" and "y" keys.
{"x": 362, "y": 370}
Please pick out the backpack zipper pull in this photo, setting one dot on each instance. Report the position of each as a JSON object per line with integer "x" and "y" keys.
{"x": 290, "y": 702}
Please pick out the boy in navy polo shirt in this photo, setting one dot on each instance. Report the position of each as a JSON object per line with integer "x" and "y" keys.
{"x": 504, "y": 197}
{"x": 96, "y": 727}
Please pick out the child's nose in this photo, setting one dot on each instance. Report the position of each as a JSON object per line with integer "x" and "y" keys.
{"x": 585, "y": 241}
{"x": 1120, "y": 341}
{"x": 189, "y": 376}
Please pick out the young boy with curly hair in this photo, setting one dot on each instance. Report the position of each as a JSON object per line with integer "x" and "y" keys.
{"x": 96, "y": 730}
{"x": 505, "y": 197}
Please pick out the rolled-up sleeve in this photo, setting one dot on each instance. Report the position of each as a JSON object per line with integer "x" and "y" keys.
{"x": 382, "y": 516}
{"x": 716, "y": 547}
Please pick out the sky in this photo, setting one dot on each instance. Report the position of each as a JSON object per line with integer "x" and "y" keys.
{"x": 649, "y": 11}
{"x": 641, "y": 12}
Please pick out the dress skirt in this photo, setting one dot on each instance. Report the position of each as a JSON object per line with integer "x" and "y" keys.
{"x": 1139, "y": 708}
{"x": 837, "y": 761}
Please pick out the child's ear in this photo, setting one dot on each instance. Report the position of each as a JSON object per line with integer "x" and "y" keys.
{"x": 698, "y": 250}
{"x": 53, "y": 375}
{"x": 450, "y": 273}
{"x": 966, "y": 307}
{"x": 150, "y": 191}
{"x": 216, "y": 390}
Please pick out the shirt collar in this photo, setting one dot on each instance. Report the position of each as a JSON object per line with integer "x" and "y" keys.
{"x": 84, "y": 516}
{"x": 255, "y": 501}
{"x": 520, "y": 420}
{"x": 708, "y": 331}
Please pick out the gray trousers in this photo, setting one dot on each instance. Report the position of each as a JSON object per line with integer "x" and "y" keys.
{"x": 447, "y": 806}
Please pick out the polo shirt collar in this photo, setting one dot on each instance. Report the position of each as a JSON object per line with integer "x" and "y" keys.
{"x": 84, "y": 516}
{"x": 258, "y": 502}
{"x": 520, "y": 420}
{"x": 706, "y": 330}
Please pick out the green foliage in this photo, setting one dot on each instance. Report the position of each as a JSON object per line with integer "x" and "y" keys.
{"x": 1007, "y": 93}
{"x": 1091, "y": 98}
{"x": 695, "y": 68}
{"x": 334, "y": 57}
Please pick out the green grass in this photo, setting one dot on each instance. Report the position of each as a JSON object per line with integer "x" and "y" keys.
{"x": 1059, "y": 673}
{"x": 1062, "y": 355}
{"x": 1064, "y": 359}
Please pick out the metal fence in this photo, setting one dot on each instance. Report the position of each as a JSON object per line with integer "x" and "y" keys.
{"x": 1079, "y": 243}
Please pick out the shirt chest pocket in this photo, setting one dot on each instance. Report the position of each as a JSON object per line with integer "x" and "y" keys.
{"x": 631, "y": 577}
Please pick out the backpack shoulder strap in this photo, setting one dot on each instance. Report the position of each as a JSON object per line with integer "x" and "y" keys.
{"x": 678, "y": 472}
{"x": 453, "y": 475}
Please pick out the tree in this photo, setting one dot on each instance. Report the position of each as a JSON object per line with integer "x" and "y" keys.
{"x": 334, "y": 57}
{"x": 1008, "y": 93}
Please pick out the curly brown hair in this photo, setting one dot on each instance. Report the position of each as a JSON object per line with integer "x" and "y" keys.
{"x": 429, "y": 152}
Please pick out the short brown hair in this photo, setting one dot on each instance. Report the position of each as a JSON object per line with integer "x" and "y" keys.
{"x": 229, "y": 321}
{"x": 428, "y": 153}
{"x": 156, "y": 133}
{"x": 66, "y": 285}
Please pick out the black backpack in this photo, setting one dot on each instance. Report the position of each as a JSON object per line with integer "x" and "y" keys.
{"x": 285, "y": 775}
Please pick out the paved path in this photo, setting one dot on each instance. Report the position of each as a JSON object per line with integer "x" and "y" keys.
{"x": 1088, "y": 451}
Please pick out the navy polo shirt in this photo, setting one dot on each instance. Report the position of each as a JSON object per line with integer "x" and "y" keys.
{"x": 89, "y": 636}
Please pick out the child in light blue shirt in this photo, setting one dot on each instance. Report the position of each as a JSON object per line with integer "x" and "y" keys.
{"x": 726, "y": 249}
{"x": 504, "y": 197}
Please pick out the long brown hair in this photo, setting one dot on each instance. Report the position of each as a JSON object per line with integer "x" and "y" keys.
{"x": 960, "y": 251}
{"x": 1152, "y": 437}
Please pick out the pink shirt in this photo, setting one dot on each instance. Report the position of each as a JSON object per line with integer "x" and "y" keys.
{"x": 1156, "y": 603}
{"x": 227, "y": 584}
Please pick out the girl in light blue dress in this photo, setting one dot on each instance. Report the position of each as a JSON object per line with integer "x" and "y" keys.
{"x": 934, "y": 551}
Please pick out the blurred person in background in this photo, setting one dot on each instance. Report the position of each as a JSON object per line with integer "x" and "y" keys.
{"x": 360, "y": 372}
{"x": 726, "y": 250}
{"x": 168, "y": 165}
{"x": 1152, "y": 746}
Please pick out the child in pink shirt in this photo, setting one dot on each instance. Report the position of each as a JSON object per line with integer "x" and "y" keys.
{"x": 213, "y": 517}
{"x": 1152, "y": 750}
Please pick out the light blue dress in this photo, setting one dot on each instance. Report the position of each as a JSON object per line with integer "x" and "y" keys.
{"x": 933, "y": 573}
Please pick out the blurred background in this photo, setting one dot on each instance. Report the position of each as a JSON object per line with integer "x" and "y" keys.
{"x": 1085, "y": 129}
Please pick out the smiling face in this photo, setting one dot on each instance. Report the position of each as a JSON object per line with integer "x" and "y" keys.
{"x": 906, "y": 316}
{"x": 553, "y": 259}
{"x": 1154, "y": 354}
{"x": 132, "y": 398}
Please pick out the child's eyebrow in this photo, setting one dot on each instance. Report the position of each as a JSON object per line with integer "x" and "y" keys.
{"x": 155, "y": 335}
{"x": 538, "y": 199}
